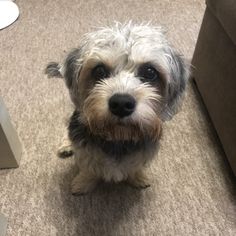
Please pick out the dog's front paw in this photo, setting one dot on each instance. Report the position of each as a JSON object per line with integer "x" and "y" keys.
{"x": 82, "y": 184}
{"x": 65, "y": 151}
{"x": 138, "y": 180}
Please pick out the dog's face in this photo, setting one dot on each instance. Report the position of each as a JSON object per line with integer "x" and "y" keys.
{"x": 125, "y": 80}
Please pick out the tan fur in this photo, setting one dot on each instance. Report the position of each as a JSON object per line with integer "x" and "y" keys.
{"x": 129, "y": 131}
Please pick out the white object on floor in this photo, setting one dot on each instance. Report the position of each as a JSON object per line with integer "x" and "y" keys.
{"x": 9, "y": 13}
{"x": 3, "y": 224}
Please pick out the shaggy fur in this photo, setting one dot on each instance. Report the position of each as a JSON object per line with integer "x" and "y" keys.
{"x": 131, "y": 61}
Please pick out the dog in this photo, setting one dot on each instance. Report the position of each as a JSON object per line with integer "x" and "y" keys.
{"x": 124, "y": 80}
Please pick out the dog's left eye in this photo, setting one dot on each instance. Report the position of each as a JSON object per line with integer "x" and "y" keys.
{"x": 148, "y": 72}
{"x": 100, "y": 72}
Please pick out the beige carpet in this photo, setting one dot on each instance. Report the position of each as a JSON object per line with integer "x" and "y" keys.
{"x": 192, "y": 189}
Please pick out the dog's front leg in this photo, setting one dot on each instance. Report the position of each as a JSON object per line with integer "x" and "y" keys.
{"x": 66, "y": 148}
{"x": 83, "y": 183}
{"x": 138, "y": 179}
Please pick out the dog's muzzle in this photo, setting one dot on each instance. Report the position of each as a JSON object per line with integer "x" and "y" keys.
{"x": 122, "y": 105}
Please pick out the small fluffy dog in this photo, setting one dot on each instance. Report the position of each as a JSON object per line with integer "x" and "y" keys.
{"x": 124, "y": 81}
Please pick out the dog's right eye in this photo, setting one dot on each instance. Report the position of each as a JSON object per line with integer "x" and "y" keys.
{"x": 100, "y": 72}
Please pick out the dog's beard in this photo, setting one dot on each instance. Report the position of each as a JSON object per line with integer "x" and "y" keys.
{"x": 123, "y": 130}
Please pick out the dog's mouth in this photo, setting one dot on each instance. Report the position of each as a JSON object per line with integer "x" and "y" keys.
{"x": 123, "y": 130}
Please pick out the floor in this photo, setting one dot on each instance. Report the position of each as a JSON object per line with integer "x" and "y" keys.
{"x": 192, "y": 187}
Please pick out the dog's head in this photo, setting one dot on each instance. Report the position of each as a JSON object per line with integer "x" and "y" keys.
{"x": 124, "y": 80}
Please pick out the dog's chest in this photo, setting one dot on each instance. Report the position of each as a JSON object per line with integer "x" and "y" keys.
{"x": 109, "y": 168}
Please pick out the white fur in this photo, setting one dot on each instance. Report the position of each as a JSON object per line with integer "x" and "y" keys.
{"x": 137, "y": 43}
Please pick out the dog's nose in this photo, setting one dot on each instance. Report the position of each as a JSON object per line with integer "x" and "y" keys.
{"x": 122, "y": 105}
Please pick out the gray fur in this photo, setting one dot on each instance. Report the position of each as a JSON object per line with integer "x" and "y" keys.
{"x": 179, "y": 71}
{"x": 71, "y": 67}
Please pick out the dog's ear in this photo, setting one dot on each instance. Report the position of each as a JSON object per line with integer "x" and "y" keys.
{"x": 69, "y": 69}
{"x": 178, "y": 77}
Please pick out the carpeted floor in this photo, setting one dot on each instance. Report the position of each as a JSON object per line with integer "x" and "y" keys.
{"x": 192, "y": 190}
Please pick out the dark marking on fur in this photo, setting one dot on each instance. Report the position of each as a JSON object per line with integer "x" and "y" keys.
{"x": 80, "y": 135}
{"x": 118, "y": 149}
{"x": 72, "y": 68}
{"x": 77, "y": 132}
{"x": 179, "y": 79}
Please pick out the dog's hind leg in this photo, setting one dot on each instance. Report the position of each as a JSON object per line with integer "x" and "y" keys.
{"x": 83, "y": 183}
